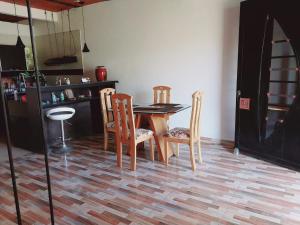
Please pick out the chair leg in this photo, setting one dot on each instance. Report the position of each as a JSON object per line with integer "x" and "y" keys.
{"x": 133, "y": 156}
{"x": 192, "y": 157}
{"x": 151, "y": 148}
{"x": 199, "y": 152}
{"x": 177, "y": 150}
{"x": 166, "y": 151}
{"x": 119, "y": 153}
{"x": 105, "y": 140}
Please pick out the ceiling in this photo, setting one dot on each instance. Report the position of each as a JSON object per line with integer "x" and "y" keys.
{"x": 54, "y": 5}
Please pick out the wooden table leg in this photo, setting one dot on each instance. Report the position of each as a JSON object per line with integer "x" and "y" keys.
{"x": 138, "y": 118}
{"x": 160, "y": 127}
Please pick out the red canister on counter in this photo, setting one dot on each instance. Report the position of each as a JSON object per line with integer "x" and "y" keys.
{"x": 101, "y": 73}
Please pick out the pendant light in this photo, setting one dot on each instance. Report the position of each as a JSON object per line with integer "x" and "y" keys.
{"x": 19, "y": 43}
{"x": 85, "y": 47}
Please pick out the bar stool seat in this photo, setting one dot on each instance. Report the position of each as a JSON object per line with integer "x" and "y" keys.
{"x": 61, "y": 114}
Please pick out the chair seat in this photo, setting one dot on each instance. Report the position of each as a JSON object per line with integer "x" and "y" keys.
{"x": 60, "y": 113}
{"x": 110, "y": 125}
{"x": 179, "y": 132}
{"x": 143, "y": 134}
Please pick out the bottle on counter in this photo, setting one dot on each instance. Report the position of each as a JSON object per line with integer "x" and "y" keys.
{"x": 16, "y": 95}
{"x": 53, "y": 97}
{"x": 62, "y": 96}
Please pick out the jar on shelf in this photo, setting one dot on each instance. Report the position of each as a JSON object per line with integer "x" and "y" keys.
{"x": 101, "y": 73}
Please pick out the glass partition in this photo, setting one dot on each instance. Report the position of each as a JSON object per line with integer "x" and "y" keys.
{"x": 25, "y": 134}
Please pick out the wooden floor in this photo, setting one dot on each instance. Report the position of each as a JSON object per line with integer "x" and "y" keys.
{"x": 89, "y": 189}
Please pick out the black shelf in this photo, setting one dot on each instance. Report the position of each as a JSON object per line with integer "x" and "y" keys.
{"x": 11, "y": 93}
{"x": 285, "y": 69}
{"x": 279, "y": 105}
{"x": 278, "y": 108}
{"x": 281, "y": 41}
{"x": 16, "y": 71}
{"x": 281, "y": 95}
{"x": 46, "y": 89}
{"x": 69, "y": 72}
{"x": 13, "y": 73}
{"x": 70, "y": 102}
{"x": 273, "y": 26}
{"x": 283, "y": 56}
{"x": 284, "y": 81}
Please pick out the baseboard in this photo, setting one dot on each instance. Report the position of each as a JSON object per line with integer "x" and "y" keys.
{"x": 225, "y": 143}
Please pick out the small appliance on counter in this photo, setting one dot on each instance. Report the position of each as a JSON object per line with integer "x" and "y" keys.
{"x": 62, "y": 80}
{"x": 85, "y": 80}
{"x": 101, "y": 73}
{"x": 67, "y": 81}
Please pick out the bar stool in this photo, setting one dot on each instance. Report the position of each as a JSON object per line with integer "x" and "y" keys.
{"x": 61, "y": 114}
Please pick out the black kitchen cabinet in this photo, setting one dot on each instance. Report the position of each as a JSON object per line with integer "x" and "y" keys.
{"x": 268, "y": 95}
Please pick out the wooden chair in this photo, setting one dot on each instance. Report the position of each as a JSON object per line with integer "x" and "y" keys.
{"x": 188, "y": 136}
{"x": 126, "y": 133}
{"x": 161, "y": 94}
{"x": 107, "y": 114}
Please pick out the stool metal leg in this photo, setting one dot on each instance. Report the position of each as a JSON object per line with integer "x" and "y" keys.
{"x": 62, "y": 147}
{"x": 63, "y": 133}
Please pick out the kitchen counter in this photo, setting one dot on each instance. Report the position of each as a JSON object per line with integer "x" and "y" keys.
{"x": 25, "y": 119}
{"x": 74, "y": 86}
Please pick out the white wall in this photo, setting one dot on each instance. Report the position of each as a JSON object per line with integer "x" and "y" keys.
{"x": 187, "y": 44}
{"x": 8, "y": 33}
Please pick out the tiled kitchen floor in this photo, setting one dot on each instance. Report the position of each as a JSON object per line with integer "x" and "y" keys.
{"x": 88, "y": 188}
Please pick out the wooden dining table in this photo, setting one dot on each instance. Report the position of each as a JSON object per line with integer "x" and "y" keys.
{"x": 158, "y": 116}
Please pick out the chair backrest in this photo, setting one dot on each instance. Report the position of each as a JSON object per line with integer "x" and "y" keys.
{"x": 123, "y": 115}
{"x": 196, "y": 114}
{"x": 106, "y": 105}
{"x": 161, "y": 94}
